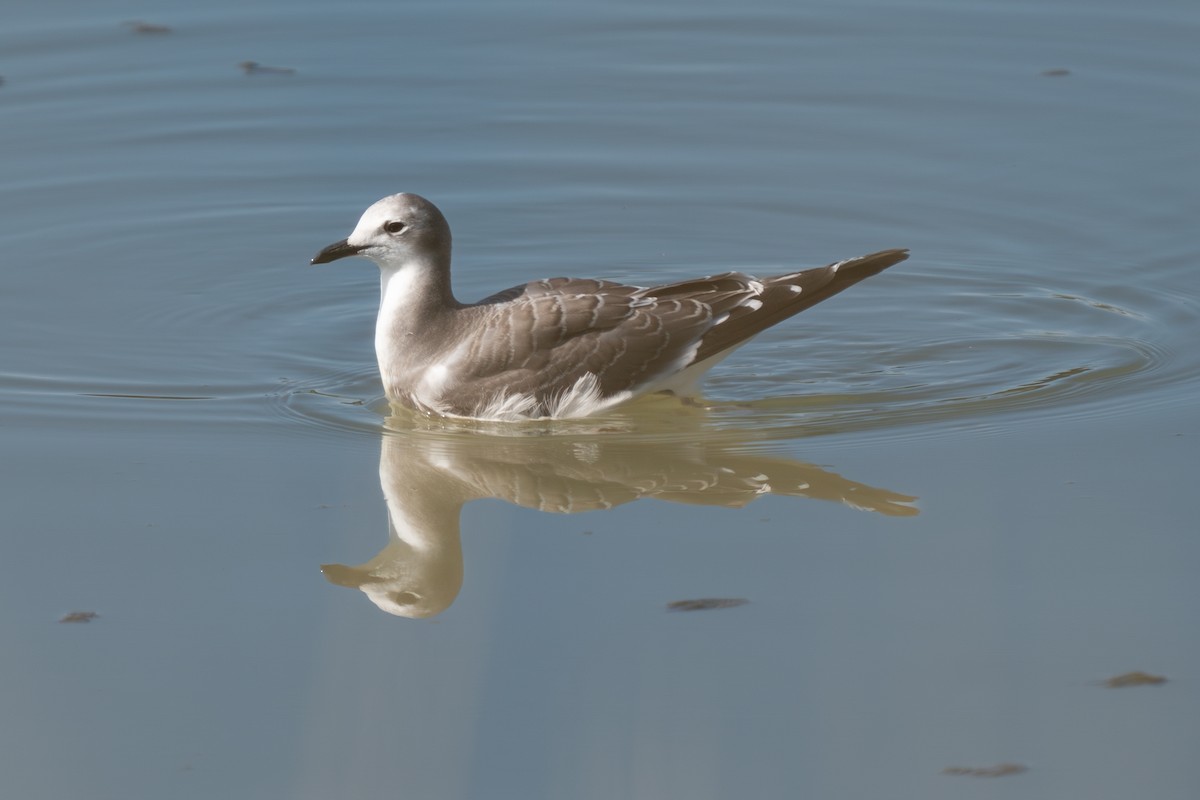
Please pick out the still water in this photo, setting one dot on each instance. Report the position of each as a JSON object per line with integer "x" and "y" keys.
{"x": 957, "y": 498}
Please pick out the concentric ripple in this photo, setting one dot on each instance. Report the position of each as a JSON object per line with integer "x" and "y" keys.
{"x": 983, "y": 353}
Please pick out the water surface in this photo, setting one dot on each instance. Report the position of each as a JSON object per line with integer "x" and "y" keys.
{"x": 956, "y": 497}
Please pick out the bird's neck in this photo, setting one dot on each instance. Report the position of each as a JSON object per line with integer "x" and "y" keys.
{"x": 413, "y": 298}
{"x": 414, "y": 291}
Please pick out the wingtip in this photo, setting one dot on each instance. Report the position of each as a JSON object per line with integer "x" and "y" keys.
{"x": 898, "y": 253}
{"x": 873, "y": 263}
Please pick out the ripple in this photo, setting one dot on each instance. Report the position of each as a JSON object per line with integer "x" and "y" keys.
{"x": 947, "y": 350}
{"x": 191, "y": 227}
{"x": 944, "y": 347}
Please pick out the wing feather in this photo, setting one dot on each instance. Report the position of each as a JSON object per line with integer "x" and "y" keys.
{"x": 541, "y": 339}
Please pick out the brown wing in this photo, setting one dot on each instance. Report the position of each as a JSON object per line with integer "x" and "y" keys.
{"x": 541, "y": 338}
{"x": 783, "y": 296}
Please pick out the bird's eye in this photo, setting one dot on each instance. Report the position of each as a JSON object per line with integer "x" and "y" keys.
{"x": 395, "y": 226}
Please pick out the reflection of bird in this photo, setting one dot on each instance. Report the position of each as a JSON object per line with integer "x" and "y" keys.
{"x": 562, "y": 347}
{"x": 428, "y": 476}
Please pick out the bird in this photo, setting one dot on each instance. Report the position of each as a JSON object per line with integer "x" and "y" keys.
{"x": 559, "y": 348}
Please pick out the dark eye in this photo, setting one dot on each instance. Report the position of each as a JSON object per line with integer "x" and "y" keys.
{"x": 395, "y": 226}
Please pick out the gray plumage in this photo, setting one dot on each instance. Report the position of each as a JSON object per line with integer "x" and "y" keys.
{"x": 562, "y": 347}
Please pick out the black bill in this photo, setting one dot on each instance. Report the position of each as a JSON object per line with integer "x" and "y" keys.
{"x": 335, "y": 251}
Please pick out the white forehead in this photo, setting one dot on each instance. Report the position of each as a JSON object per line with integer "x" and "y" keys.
{"x": 396, "y": 206}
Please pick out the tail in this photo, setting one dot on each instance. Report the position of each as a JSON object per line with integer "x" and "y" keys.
{"x": 784, "y": 296}
{"x": 821, "y": 283}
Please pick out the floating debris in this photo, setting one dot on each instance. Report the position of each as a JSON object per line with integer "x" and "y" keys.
{"x": 1136, "y": 678}
{"x": 255, "y": 68}
{"x": 998, "y": 771}
{"x": 1058, "y": 72}
{"x": 79, "y": 616}
{"x": 706, "y": 604}
{"x": 150, "y": 28}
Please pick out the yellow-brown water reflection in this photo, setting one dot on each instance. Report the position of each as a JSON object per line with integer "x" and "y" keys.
{"x": 428, "y": 475}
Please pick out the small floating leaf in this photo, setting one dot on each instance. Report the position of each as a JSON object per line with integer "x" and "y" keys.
{"x": 255, "y": 68}
{"x": 1136, "y": 678}
{"x": 998, "y": 771}
{"x": 706, "y": 604}
{"x": 137, "y": 26}
{"x": 79, "y": 616}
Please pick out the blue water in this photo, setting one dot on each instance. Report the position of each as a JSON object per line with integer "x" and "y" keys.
{"x": 956, "y": 497}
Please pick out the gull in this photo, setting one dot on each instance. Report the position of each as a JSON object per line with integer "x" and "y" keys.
{"x": 563, "y": 347}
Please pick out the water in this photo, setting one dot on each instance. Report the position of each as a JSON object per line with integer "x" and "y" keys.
{"x": 956, "y": 497}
